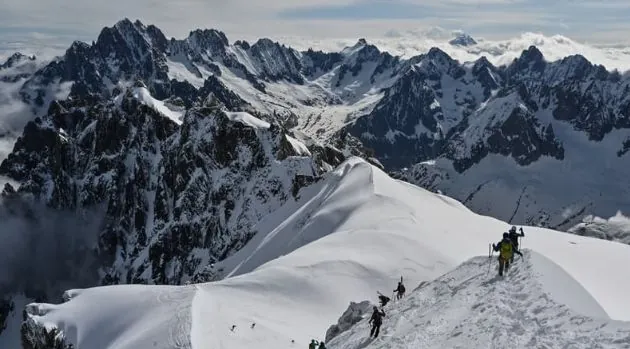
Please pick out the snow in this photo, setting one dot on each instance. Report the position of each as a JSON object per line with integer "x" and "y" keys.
{"x": 164, "y": 309}
{"x": 298, "y": 146}
{"x": 143, "y": 95}
{"x": 180, "y": 69}
{"x": 555, "y": 282}
{"x": 247, "y": 119}
{"x": 542, "y": 193}
{"x": 470, "y": 308}
{"x": 351, "y": 234}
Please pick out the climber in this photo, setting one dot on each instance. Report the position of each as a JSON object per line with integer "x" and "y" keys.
{"x": 514, "y": 238}
{"x": 321, "y": 345}
{"x": 507, "y": 250}
{"x": 400, "y": 289}
{"x": 376, "y": 320}
{"x": 382, "y": 298}
{"x": 313, "y": 344}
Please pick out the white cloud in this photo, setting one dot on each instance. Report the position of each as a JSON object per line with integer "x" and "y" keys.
{"x": 239, "y": 18}
{"x": 408, "y": 43}
{"x": 615, "y": 228}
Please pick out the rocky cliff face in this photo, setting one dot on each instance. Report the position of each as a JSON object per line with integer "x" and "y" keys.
{"x": 441, "y": 108}
{"x": 178, "y": 196}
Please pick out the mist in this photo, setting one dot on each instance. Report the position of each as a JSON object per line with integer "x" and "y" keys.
{"x": 14, "y": 114}
{"x": 44, "y": 251}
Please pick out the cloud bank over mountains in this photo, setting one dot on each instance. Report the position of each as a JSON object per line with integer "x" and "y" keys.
{"x": 405, "y": 43}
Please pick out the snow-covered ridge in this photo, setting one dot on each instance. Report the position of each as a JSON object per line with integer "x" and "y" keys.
{"x": 348, "y": 236}
{"x": 536, "y": 305}
{"x": 144, "y": 96}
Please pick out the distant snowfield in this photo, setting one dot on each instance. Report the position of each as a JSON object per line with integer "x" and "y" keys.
{"x": 545, "y": 191}
{"x": 352, "y": 234}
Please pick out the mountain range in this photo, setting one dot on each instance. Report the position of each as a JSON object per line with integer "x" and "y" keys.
{"x": 181, "y": 147}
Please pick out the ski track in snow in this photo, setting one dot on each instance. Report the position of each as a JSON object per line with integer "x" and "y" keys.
{"x": 473, "y": 307}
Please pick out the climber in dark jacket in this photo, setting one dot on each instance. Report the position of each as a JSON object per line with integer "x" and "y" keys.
{"x": 376, "y": 321}
{"x": 400, "y": 289}
{"x": 514, "y": 238}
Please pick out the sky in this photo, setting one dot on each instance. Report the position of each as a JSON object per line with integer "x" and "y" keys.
{"x": 55, "y": 24}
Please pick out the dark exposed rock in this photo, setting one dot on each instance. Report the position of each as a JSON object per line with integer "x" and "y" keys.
{"x": 416, "y": 121}
{"x": 169, "y": 189}
{"x": 318, "y": 61}
{"x": 6, "y": 307}
{"x": 352, "y": 315}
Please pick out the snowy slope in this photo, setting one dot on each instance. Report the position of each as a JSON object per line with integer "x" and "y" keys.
{"x": 466, "y": 308}
{"x": 549, "y": 192}
{"x": 144, "y": 96}
{"x": 350, "y": 235}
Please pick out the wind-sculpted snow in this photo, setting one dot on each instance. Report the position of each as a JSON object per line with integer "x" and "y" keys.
{"x": 354, "y": 233}
{"x": 470, "y": 307}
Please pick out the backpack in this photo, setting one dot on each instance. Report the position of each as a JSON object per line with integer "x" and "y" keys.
{"x": 506, "y": 249}
{"x": 377, "y": 317}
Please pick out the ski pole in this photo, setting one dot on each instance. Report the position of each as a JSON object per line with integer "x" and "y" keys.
{"x": 489, "y": 258}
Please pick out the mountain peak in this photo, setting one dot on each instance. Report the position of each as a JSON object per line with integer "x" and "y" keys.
{"x": 205, "y": 36}
{"x": 576, "y": 60}
{"x": 439, "y": 56}
{"x": 532, "y": 54}
{"x": 462, "y": 39}
{"x": 126, "y": 24}
{"x": 15, "y": 59}
{"x": 77, "y": 46}
{"x": 357, "y": 46}
{"x": 482, "y": 62}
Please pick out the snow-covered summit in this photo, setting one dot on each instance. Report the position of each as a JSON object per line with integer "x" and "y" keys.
{"x": 350, "y": 235}
{"x": 462, "y": 39}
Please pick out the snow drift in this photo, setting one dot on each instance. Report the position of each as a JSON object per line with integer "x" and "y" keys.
{"x": 353, "y": 233}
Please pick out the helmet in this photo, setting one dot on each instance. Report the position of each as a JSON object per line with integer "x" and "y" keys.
{"x": 513, "y": 229}
{"x": 505, "y": 235}
{"x": 375, "y": 308}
